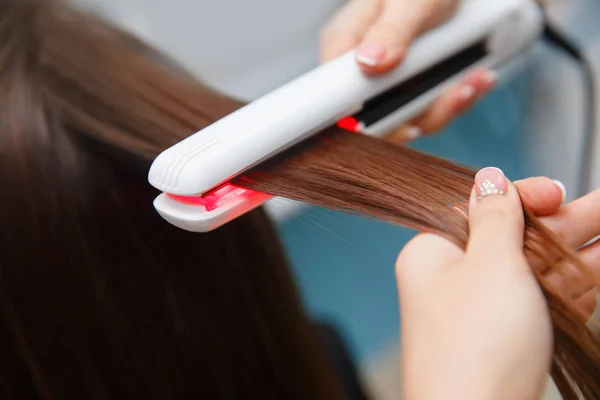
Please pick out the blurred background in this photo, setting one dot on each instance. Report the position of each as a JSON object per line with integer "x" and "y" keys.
{"x": 532, "y": 124}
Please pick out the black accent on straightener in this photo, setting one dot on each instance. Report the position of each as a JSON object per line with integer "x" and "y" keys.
{"x": 388, "y": 102}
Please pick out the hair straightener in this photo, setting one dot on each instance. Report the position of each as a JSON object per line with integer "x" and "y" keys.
{"x": 194, "y": 174}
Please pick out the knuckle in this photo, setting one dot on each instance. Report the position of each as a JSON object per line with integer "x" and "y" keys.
{"x": 497, "y": 211}
{"x": 411, "y": 255}
{"x": 447, "y": 7}
{"x": 423, "y": 250}
{"x": 403, "y": 261}
{"x": 443, "y": 8}
{"x": 400, "y": 268}
{"x": 432, "y": 12}
{"x": 436, "y": 124}
{"x": 567, "y": 281}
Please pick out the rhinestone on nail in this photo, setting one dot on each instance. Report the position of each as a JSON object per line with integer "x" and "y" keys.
{"x": 487, "y": 188}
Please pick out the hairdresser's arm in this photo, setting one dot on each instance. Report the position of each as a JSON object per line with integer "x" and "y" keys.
{"x": 475, "y": 324}
{"x": 382, "y": 32}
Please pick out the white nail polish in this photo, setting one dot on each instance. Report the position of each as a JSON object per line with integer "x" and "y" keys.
{"x": 412, "y": 132}
{"x": 369, "y": 62}
{"x": 467, "y": 92}
{"x": 562, "y": 188}
{"x": 491, "y": 77}
{"x": 496, "y": 168}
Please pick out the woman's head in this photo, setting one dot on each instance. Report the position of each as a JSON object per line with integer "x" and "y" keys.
{"x": 99, "y": 297}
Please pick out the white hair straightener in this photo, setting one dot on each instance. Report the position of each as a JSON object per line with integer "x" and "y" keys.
{"x": 195, "y": 173}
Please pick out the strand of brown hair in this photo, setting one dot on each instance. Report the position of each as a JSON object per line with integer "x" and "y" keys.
{"x": 355, "y": 173}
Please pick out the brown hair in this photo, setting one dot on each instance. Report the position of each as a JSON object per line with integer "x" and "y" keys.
{"x": 355, "y": 173}
{"x": 99, "y": 297}
{"x": 85, "y": 109}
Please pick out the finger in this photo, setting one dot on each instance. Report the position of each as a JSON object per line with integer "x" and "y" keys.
{"x": 421, "y": 258}
{"x": 590, "y": 257}
{"x": 445, "y": 108}
{"x": 496, "y": 221}
{"x": 456, "y": 100}
{"x": 387, "y": 41}
{"x": 347, "y": 27}
{"x": 403, "y": 134}
{"x": 587, "y": 304}
{"x": 541, "y": 195}
{"x": 578, "y": 222}
{"x": 569, "y": 280}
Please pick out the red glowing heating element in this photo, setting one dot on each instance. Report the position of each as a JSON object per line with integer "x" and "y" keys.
{"x": 349, "y": 123}
{"x": 216, "y": 198}
{"x": 229, "y": 191}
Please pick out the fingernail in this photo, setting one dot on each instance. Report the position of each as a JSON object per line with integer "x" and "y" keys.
{"x": 562, "y": 188}
{"x": 467, "y": 92}
{"x": 490, "y": 181}
{"x": 404, "y": 134}
{"x": 370, "y": 54}
{"x": 412, "y": 132}
{"x": 490, "y": 77}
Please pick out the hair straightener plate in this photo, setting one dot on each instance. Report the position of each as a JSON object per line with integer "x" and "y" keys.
{"x": 194, "y": 174}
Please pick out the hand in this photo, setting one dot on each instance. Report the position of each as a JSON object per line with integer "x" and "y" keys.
{"x": 475, "y": 323}
{"x": 382, "y": 32}
{"x": 577, "y": 223}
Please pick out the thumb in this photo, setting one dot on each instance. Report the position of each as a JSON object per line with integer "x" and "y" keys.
{"x": 496, "y": 221}
{"x": 421, "y": 259}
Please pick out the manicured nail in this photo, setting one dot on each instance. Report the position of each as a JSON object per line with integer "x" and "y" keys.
{"x": 404, "y": 134}
{"x": 467, "y": 92}
{"x": 490, "y": 181}
{"x": 562, "y": 188}
{"x": 412, "y": 132}
{"x": 490, "y": 77}
{"x": 370, "y": 54}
